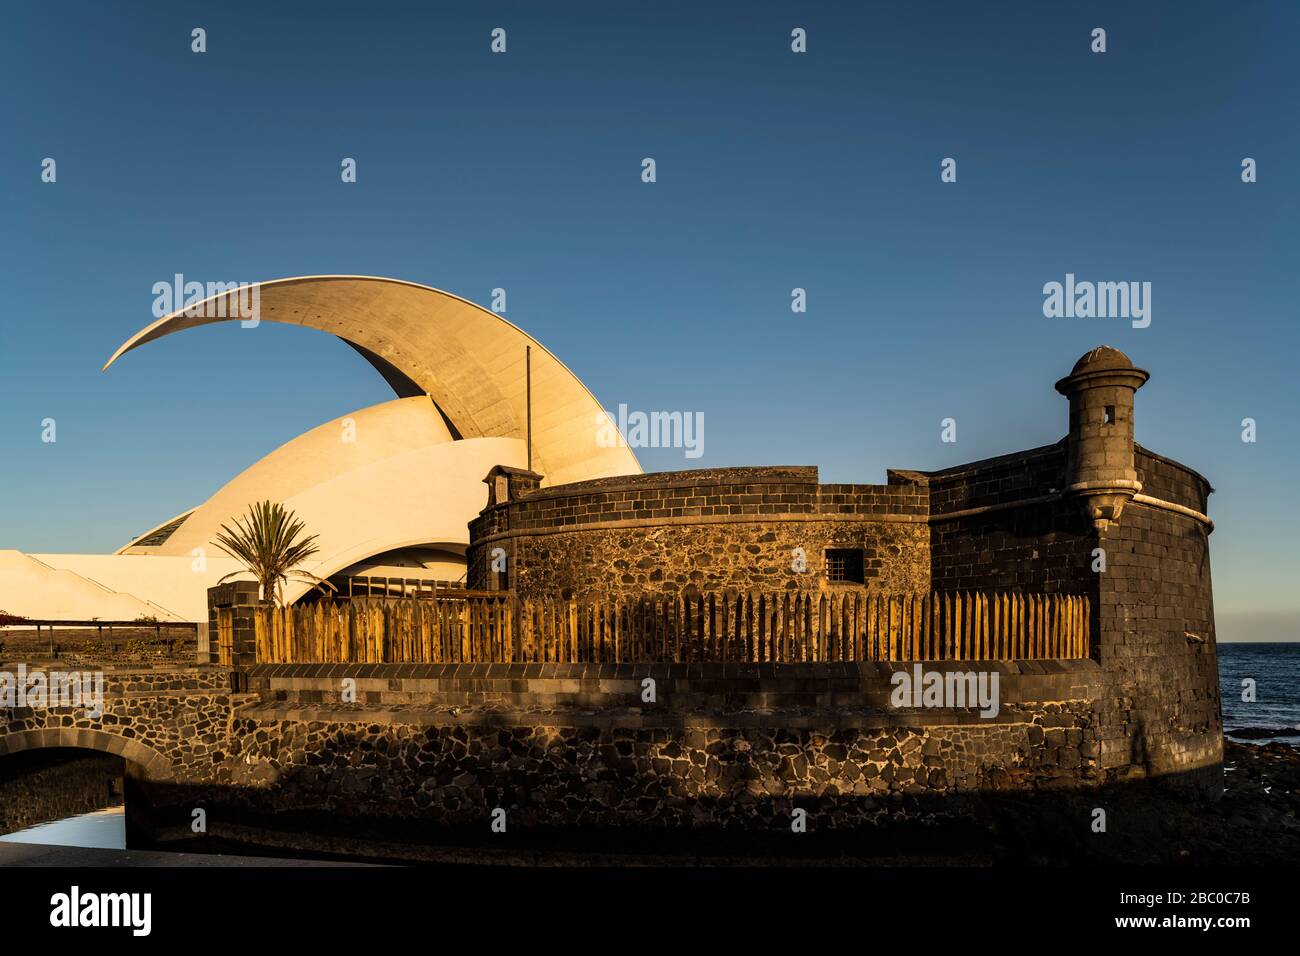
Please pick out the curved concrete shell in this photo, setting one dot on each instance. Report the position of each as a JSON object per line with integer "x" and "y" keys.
{"x": 400, "y": 484}
{"x": 383, "y": 480}
{"x": 318, "y": 457}
{"x": 375, "y": 481}
{"x": 469, "y": 360}
{"x": 79, "y": 587}
{"x": 385, "y": 489}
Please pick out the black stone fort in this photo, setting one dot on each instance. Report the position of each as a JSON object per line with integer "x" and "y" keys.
{"x": 728, "y": 745}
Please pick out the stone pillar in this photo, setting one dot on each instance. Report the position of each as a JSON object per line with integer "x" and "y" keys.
{"x": 1100, "y": 470}
{"x": 241, "y": 598}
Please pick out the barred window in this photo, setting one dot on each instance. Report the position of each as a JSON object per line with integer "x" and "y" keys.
{"x": 844, "y": 565}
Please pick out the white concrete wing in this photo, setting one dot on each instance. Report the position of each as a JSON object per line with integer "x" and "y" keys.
{"x": 469, "y": 360}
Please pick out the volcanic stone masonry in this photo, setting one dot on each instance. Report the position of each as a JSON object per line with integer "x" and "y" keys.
{"x": 1035, "y": 521}
{"x": 726, "y": 745}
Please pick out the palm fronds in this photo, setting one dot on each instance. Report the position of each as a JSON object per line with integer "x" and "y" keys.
{"x": 268, "y": 540}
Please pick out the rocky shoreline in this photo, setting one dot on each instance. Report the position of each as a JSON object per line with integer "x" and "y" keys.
{"x": 1256, "y": 822}
{"x": 1260, "y": 810}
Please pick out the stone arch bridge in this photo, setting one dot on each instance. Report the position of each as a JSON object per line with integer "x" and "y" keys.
{"x": 169, "y": 724}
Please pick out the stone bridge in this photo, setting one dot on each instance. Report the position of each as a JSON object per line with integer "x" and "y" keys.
{"x": 169, "y": 724}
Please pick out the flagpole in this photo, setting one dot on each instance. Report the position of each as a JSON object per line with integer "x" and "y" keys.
{"x": 528, "y": 389}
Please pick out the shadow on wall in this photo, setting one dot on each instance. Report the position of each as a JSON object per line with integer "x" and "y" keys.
{"x": 577, "y": 811}
{"x": 1140, "y": 747}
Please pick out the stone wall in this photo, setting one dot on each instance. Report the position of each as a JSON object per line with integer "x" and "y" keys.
{"x": 740, "y": 556}
{"x": 783, "y": 690}
{"x": 1170, "y": 481}
{"x": 1158, "y": 645}
{"x": 722, "y": 746}
{"x": 1000, "y": 524}
{"x": 580, "y": 747}
{"x": 715, "y": 529}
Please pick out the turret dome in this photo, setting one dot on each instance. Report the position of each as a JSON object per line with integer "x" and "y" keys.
{"x": 1102, "y": 357}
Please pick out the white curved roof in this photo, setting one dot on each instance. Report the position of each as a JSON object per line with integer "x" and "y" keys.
{"x": 402, "y": 481}
{"x": 81, "y": 587}
{"x": 469, "y": 360}
{"x": 318, "y": 456}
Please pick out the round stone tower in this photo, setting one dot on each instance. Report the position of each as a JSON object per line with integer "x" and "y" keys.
{"x": 1100, "y": 470}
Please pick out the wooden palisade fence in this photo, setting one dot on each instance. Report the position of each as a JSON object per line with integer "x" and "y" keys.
{"x": 787, "y": 627}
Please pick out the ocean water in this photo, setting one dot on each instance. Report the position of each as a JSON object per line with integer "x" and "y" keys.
{"x": 1274, "y": 715}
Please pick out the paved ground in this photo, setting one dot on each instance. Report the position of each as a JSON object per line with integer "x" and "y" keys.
{"x": 36, "y": 854}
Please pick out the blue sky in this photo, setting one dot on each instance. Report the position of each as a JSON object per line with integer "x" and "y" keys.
{"x": 775, "y": 171}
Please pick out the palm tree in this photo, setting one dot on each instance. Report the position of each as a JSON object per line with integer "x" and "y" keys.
{"x": 268, "y": 541}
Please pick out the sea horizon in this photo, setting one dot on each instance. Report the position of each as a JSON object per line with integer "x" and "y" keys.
{"x": 1273, "y": 715}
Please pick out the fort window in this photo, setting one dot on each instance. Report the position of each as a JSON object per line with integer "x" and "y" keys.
{"x": 1110, "y": 414}
{"x": 844, "y": 565}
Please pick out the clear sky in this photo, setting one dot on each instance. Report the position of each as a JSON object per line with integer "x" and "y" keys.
{"x": 775, "y": 170}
